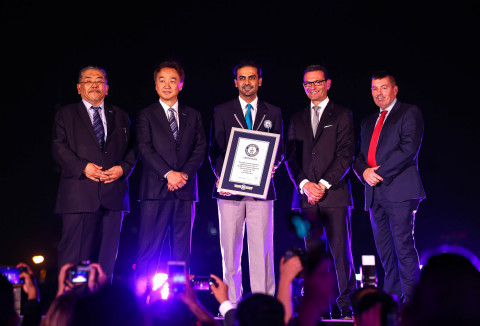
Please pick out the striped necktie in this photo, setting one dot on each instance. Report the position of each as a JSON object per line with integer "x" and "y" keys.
{"x": 173, "y": 122}
{"x": 98, "y": 126}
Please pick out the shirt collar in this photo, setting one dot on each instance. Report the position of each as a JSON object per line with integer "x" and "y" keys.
{"x": 243, "y": 104}
{"x": 166, "y": 107}
{"x": 389, "y": 108}
{"x": 89, "y": 105}
{"x": 322, "y": 104}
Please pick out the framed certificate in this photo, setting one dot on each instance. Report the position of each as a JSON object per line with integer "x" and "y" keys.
{"x": 248, "y": 163}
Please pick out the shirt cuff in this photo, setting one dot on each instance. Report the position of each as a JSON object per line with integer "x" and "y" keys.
{"x": 165, "y": 176}
{"x": 325, "y": 183}
{"x": 300, "y": 186}
{"x": 225, "y": 307}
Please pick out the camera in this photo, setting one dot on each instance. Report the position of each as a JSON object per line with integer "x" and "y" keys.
{"x": 202, "y": 283}
{"x": 12, "y": 273}
{"x": 295, "y": 251}
{"x": 79, "y": 274}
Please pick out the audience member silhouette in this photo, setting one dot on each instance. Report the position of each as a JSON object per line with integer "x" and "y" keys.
{"x": 374, "y": 307}
{"x": 448, "y": 293}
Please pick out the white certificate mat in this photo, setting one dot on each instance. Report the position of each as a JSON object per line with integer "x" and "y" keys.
{"x": 249, "y": 161}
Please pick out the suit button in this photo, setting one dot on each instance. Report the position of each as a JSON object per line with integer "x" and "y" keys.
{"x": 313, "y": 153}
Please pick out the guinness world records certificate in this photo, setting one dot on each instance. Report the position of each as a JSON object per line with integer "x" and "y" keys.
{"x": 248, "y": 163}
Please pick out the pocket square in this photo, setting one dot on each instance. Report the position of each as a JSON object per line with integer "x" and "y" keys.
{"x": 327, "y": 126}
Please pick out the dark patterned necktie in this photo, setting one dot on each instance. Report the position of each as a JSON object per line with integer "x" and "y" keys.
{"x": 173, "y": 122}
{"x": 98, "y": 126}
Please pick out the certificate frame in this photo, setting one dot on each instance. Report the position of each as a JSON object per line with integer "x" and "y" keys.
{"x": 247, "y": 170}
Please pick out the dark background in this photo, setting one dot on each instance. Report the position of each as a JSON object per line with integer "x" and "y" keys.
{"x": 429, "y": 47}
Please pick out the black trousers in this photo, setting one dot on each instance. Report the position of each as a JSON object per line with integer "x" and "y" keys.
{"x": 157, "y": 217}
{"x": 91, "y": 236}
{"x": 334, "y": 223}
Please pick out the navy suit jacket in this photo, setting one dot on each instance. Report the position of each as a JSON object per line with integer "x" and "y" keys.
{"x": 75, "y": 145}
{"x": 160, "y": 152}
{"x": 328, "y": 155}
{"x": 397, "y": 154}
{"x": 224, "y": 119}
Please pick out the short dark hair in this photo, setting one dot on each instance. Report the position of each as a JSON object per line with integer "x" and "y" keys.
{"x": 247, "y": 63}
{"x": 170, "y": 64}
{"x": 383, "y": 74}
{"x": 260, "y": 309}
{"x": 80, "y": 74}
{"x": 365, "y": 298}
{"x": 316, "y": 68}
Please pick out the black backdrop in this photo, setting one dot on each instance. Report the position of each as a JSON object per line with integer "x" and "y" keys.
{"x": 430, "y": 48}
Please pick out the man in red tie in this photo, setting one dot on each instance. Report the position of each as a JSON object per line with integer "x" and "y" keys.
{"x": 388, "y": 166}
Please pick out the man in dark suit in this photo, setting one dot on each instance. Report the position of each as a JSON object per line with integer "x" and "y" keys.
{"x": 172, "y": 146}
{"x": 91, "y": 143}
{"x": 320, "y": 149}
{"x": 235, "y": 211}
{"x": 388, "y": 166}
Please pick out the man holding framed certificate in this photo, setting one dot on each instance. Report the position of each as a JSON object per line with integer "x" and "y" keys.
{"x": 259, "y": 121}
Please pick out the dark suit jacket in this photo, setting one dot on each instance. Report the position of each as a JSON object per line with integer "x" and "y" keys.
{"x": 223, "y": 122}
{"x": 75, "y": 145}
{"x": 397, "y": 154}
{"x": 160, "y": 152}
{"x": 328, "y": 156}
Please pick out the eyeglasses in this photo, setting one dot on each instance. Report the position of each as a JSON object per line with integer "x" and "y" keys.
{"x": 314, "y": 83}
{"x": 91, "y": 82}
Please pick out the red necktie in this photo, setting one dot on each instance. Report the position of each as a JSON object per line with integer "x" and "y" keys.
{"x": 372, "y": 150}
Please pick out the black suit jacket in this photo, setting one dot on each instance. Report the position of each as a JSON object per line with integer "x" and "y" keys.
{"x": 327, "y": 156}
{"x": 75, "y": 145}
{"x": 160, "y": 152}
{"x": 224, "y": 119}
{"x": 397, "y": 154}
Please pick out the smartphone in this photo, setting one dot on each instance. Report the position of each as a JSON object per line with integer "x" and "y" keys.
{"x": 12, "y": 274}
{"x": 176, "y": 276}
{"x": 202, "y": 283}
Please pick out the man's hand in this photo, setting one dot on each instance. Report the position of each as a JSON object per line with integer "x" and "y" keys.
{"x": 289, "y": 269}
{"x": 371, "y": 177}
{"x": 314, "y": 191}
{"x": 112, "y": 174}
{"x": 29, "y": 283}
{"x": 94, "y": 172}
{"x": 221, "y": 192}
{"x": 96, "y": 278}
{"x": 176, "y": 179}
{"x": 220, "y": 291}
{"x": 274, "y": 168}
{"x": 63, "y": 284}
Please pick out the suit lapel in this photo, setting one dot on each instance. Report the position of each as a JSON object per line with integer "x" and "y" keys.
{"x": 182, "y": 117}
{"x": 110, "y": 117}
{"x": 159, "y": 113}
{"x": 390, "y": 120}
{"x": 238, "y": 113}
{"x": 324, "y": 119}
{"x": 307, "y": 120}
{"x": 260, "y": 115}
{"x": 85, "y": 118}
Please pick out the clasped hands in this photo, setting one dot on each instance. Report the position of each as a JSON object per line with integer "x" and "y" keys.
{"x": 176, "y": 180}
{"x": 314, "y": 191}
{"x": 371, "y": 177}
{"x": 95, "y": 173}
